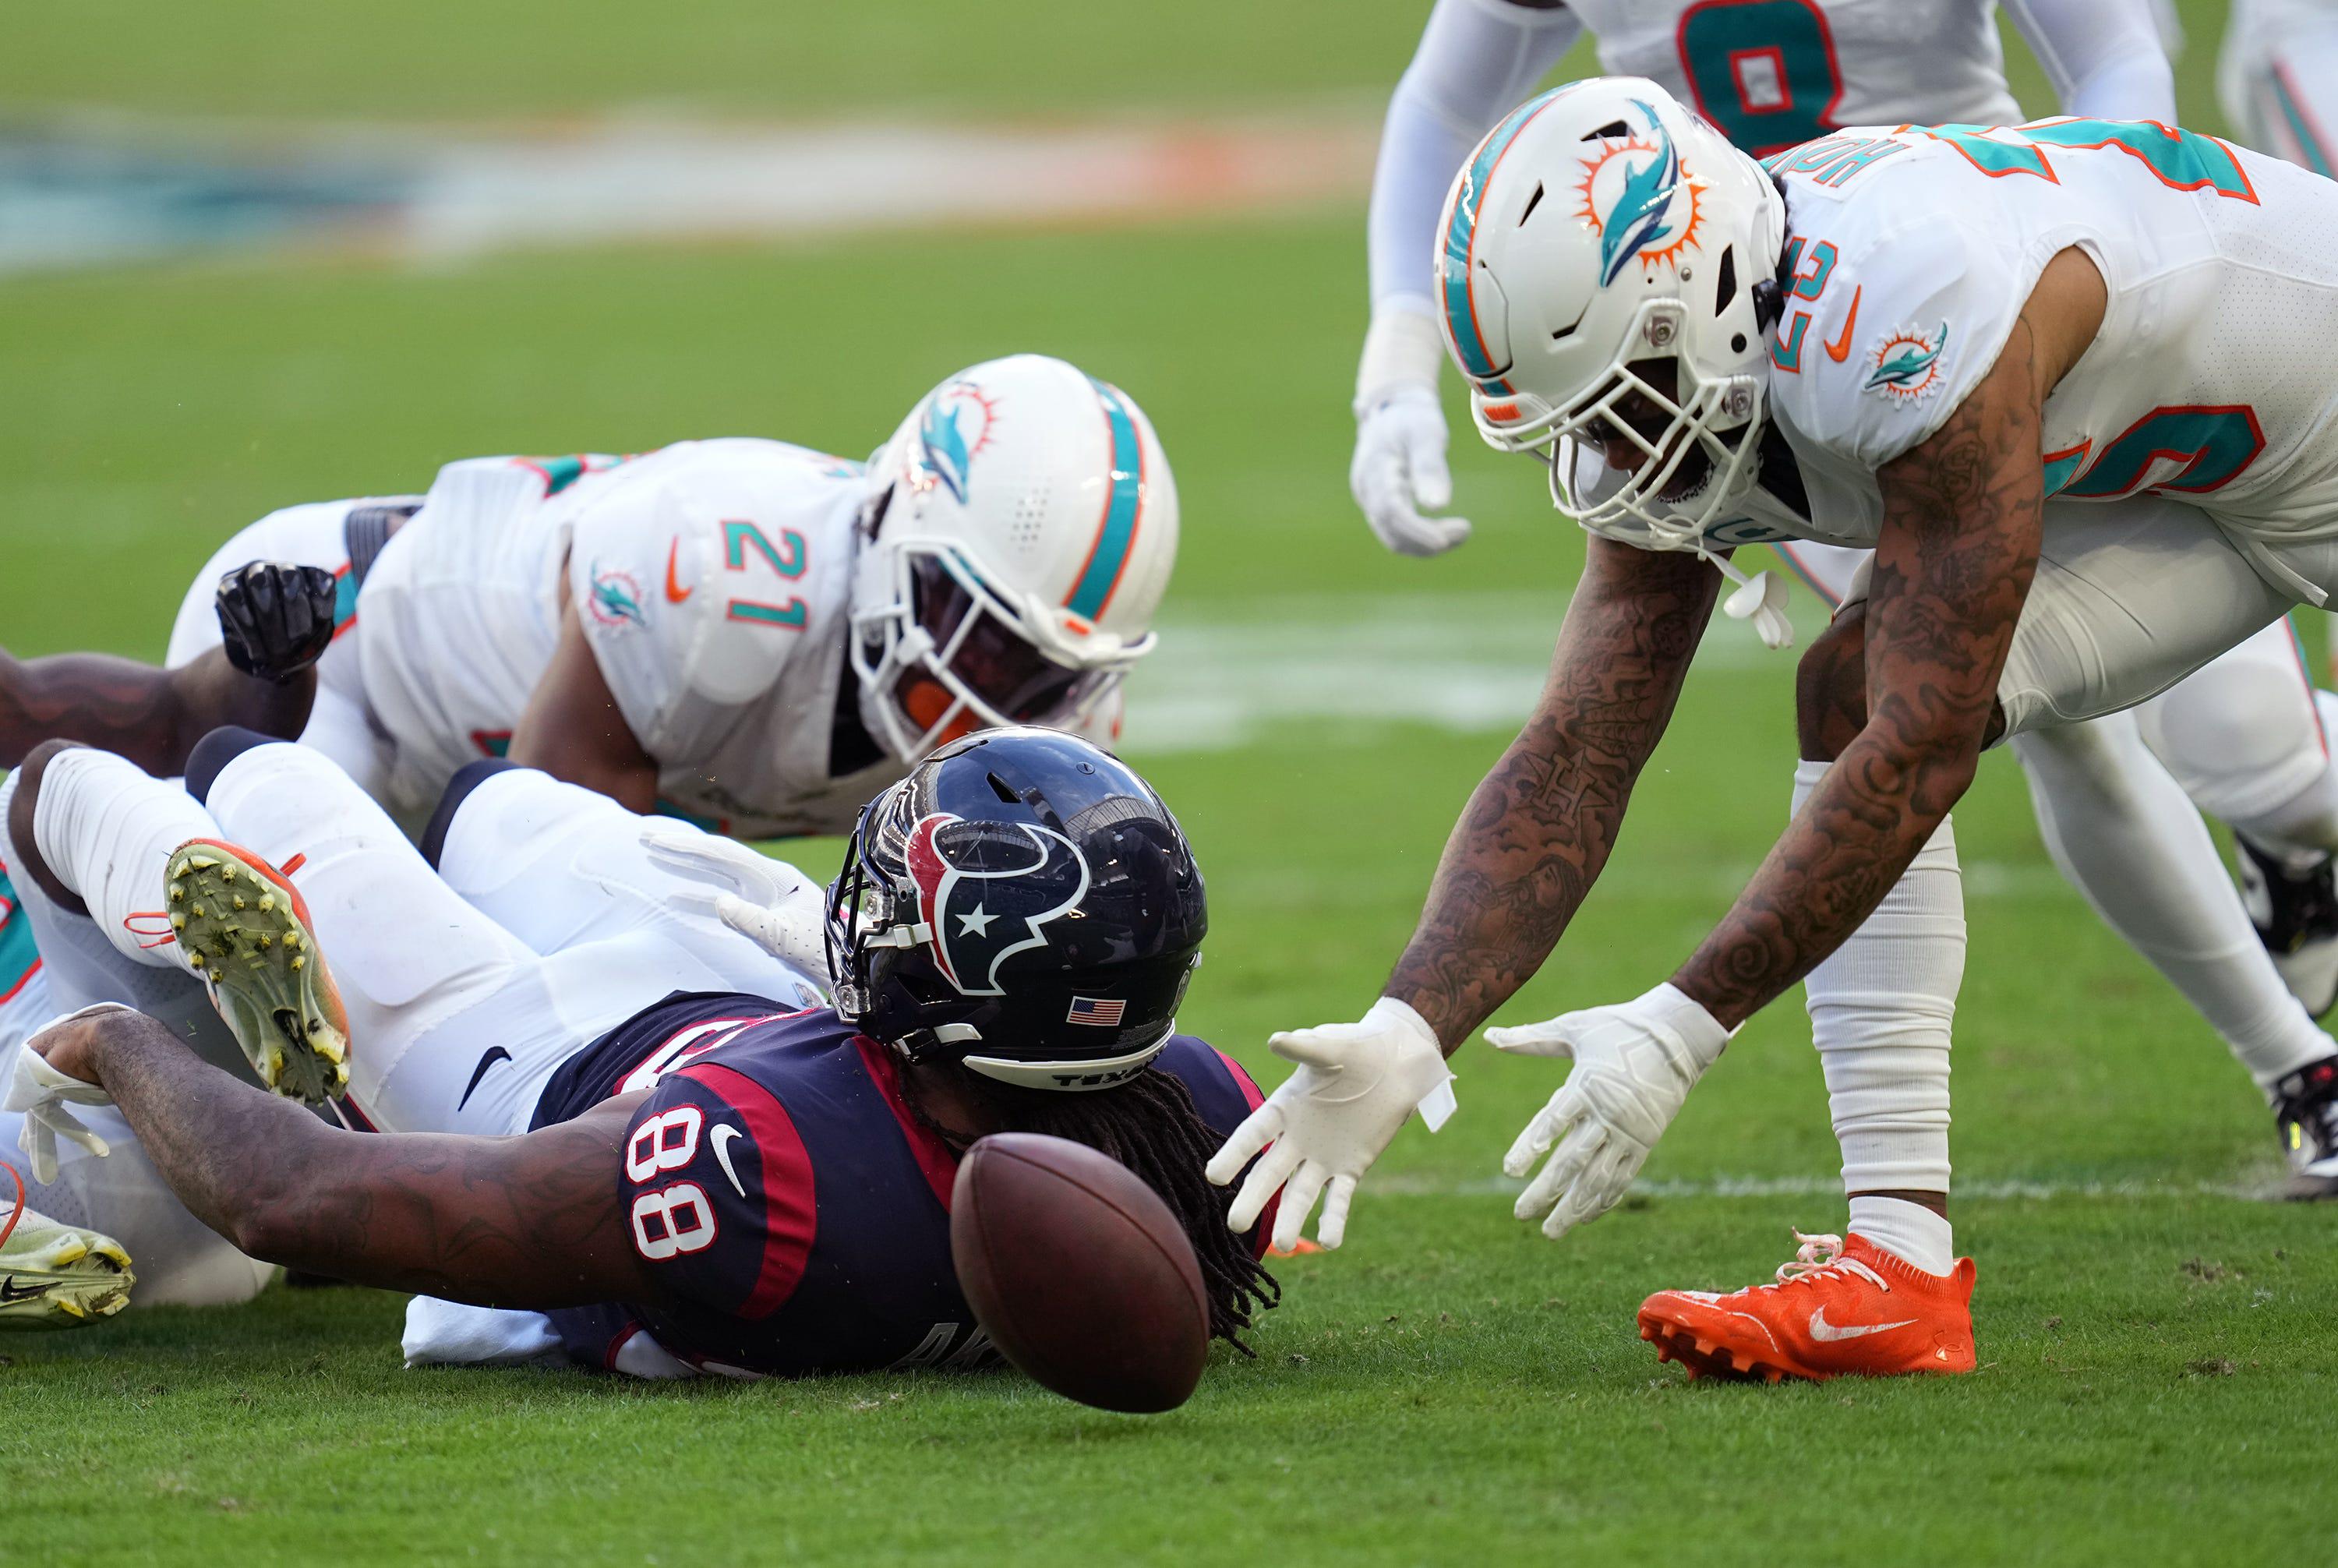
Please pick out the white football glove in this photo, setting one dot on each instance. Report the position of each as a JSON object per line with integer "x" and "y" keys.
{"x": 1398, "y": 473}
{"x": 1329, "y": 1120}
{"x": 1635, "y": 1063}
{"x": 42, "y": 1093}
{"x": 767, "y": 901}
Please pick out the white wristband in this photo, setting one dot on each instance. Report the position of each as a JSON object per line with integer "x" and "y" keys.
{"x": 1402, "y": 348}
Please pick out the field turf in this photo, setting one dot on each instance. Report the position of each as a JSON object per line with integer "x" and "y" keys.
{"x": 2158, "y": 1367}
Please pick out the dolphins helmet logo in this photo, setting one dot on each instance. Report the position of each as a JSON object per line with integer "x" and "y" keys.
{"x": 1907, "y": 364}
{"x": 954, "y": 431}
{"x": 986, "y": 894}
{"x": 1628, "y": 192}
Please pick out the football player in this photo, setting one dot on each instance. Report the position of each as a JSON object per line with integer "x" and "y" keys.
{"x": 583, "y": 1114}
{"x": 2075, "y": 324}
{"x": 2243, "y": 740}
{"x": 741, "y": 632}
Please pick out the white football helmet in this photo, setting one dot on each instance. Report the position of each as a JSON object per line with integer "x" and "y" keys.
{"x": 1597, "y": 226}
{"x": 1018, "y": 535}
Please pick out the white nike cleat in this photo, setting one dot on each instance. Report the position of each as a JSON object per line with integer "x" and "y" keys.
{"x": 55, "y": 1276}
{"x": 2297, "y": 918}
{"x": 2305, "y": 1118}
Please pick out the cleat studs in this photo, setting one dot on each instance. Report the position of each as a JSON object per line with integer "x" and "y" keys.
{"x": 194, "y": 958}
{"x": 297, "y": 963}
{"x": 263, "y": 942}
{"x": 178, "y": 922}
{"x": 238, "y": 901}
{"x": 292, "y": 940}
{"x": 199, "y": 911}
{"x": 227, "y": 872}
{"x": 178, "y": 889}
{"x": 199, "y": 862}
{"x": 267, "y": 903}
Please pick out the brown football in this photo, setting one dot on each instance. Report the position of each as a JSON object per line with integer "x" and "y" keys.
{"x": 1079, "y": 1272}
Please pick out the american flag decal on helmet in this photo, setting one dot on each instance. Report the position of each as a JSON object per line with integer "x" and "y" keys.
{"x": 1097, "y": 1011}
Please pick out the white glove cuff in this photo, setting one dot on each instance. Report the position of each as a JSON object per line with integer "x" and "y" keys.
{"x": 1685, "y": 1017}
{"x": 1428, "y": 1080}
{"x": 1401, "y": 350}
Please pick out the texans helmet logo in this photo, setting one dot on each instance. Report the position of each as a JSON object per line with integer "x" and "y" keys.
{"x": 982, "y": 913}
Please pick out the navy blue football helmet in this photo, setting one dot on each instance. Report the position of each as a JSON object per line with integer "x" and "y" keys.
{"x": 1023, "y": 903}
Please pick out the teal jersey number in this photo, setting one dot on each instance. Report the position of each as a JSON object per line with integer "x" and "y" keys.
{"x": 1763, "y": 71}
{"x": 2215, "y": 446}
{"x": 786, "y": 560}
{"x": 2180, "y": 159}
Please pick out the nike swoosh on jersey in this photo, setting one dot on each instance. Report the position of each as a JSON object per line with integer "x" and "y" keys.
{"x": 675, "y": 592}
{"x": 1821, "y": 1329}
{"x": 1840, "y": 349}
{"x": 12, "y": 1293}
{"x": 722, "y": 1155}
{"x": 495, "y": 1054}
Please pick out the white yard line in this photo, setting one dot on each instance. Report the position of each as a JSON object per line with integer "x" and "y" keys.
{"x": 1831, "y": 1188}
{"x": 1463, "y": 663}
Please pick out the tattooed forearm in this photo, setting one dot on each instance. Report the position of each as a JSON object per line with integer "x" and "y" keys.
{"x": 1538, "y": 829}
{"x": 150, "y": 715}
{"x": 1952, "y": 567}
{"x": 531, "y": 1221}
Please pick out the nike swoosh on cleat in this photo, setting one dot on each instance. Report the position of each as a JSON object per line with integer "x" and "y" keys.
{"x": 1821, "y": 1329}
{"x": 12, "y": 1293}
{"x": 675, "y": 592}
{"x": 1840, "y": 349}
{"x": 722, "y": 1155}
{"x": 495, "y": 1054}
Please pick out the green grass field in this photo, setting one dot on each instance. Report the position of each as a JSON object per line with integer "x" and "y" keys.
{"x": 2158, "y": 1367}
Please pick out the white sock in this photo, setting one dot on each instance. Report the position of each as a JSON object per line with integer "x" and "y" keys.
{"x": 107, "y": 829}
{"x": 2130, "y": 840}
{"x": 1908, "y": 1231}
{"x": 1881, "y": 1006}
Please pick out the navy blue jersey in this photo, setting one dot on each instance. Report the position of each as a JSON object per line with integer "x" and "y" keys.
{"x": 793, "y": 1207}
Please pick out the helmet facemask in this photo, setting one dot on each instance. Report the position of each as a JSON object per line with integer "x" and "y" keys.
{"x": 941, "y": 653}
{"x": 1712, "y": 424}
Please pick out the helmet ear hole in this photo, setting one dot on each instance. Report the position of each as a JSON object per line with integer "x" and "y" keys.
{"x": 1725, "y": 287}
{"x": 1533, "y": 202}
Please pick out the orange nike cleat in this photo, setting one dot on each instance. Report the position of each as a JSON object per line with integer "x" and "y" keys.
{"x": 247, "y": 931}
{"x": 1839, "y": 1307}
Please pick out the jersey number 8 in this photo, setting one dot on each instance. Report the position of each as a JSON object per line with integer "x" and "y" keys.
{"x": 678, "y": 1218}
{"x": 1763, "y": 71}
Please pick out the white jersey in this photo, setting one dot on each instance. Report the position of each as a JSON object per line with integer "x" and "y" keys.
{"x": 711, "y": 578}
{"x": 1774, "y": 76}
{"x": 1912, "y": 254}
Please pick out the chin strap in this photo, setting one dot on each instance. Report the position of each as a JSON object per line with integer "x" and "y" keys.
{"x": 1761, "y": 599}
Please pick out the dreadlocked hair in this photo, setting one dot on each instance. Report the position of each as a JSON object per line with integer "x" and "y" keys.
{"x": 1150, "y": 1125}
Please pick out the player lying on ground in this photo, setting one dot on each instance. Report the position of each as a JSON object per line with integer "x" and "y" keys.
{"x": 714, "y": 1180}
{"x": 742, "y": 631}
{"x": 2086, "y": 310}
{"x": 2118, "y": 800}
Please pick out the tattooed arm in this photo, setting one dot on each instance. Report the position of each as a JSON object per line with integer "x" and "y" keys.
{"x": 1961, "y": 522}
{"x": 533, "y": 1221}
{"x": 1538, "y": 830}
{"x": 151, "y": 716}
